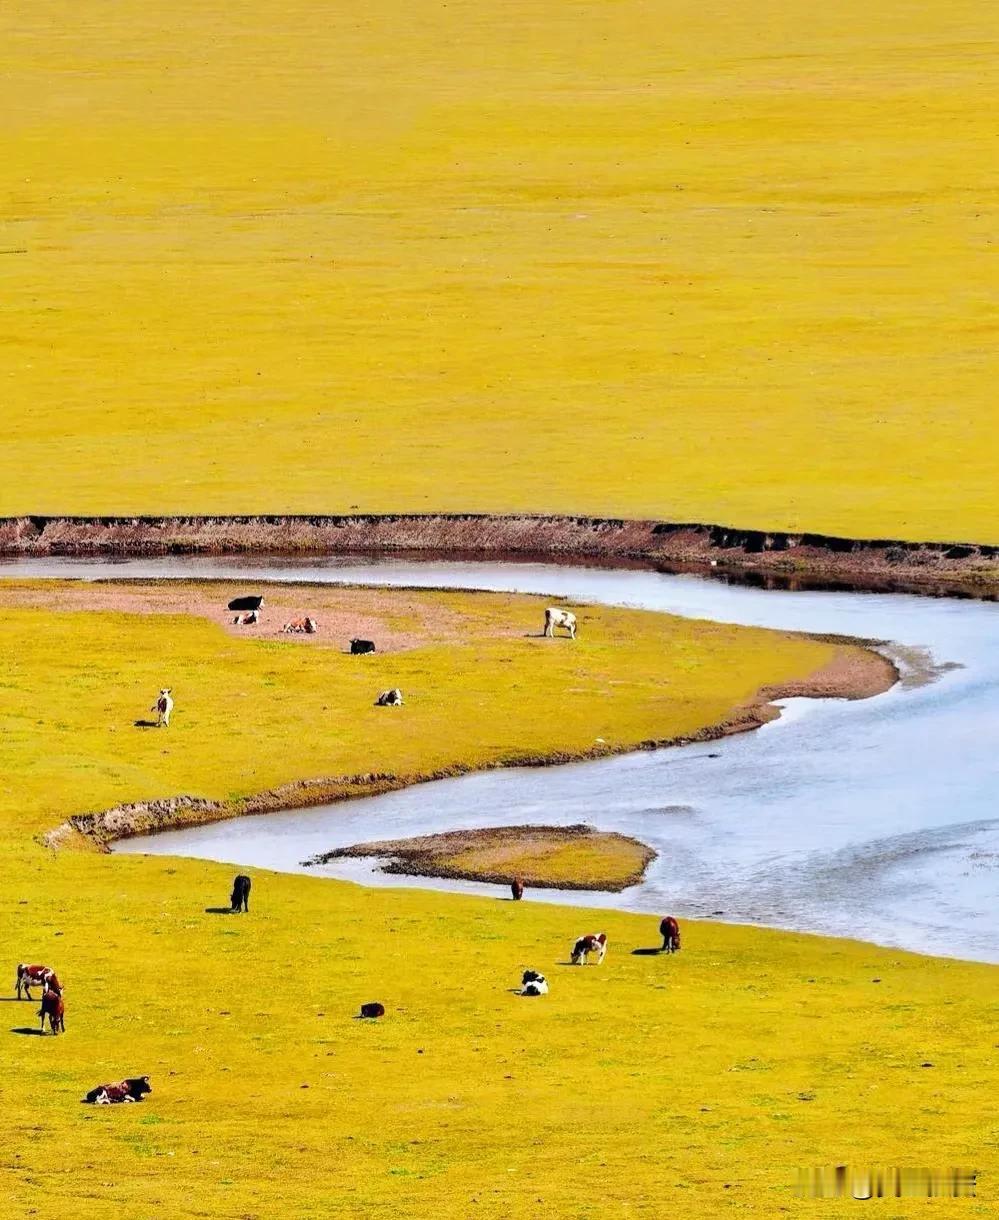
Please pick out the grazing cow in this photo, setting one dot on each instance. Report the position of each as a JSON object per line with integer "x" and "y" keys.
{"x": 373, "y": 1010}
{"x": 248, "y": 618}
{"x": 301, "y": 626}
{"x": 592, "y": 942}
{"x": 669, "y": 930}
{"x": 163, "y": 707}
{"x": 33, "y": 976}
{"x": 53, "y": 1007}
{"x": 247, "y": 603}
{"x": 389, "y": 698}
{"x": 560, "y": 618}
{"x": 533, "y": 983}
{"x": 517, "y": 889}
{"x": 240, "y": 900}
{"x": 133, "y": 1089}
{"x": 359, "y": 647}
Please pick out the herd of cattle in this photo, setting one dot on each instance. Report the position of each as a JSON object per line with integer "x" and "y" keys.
{"x": 247, "y": 614}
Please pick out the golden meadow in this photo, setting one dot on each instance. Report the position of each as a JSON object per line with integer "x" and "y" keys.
{"x": 695, "y": 260}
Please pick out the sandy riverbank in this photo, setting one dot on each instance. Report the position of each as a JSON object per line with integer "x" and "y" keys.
{"x": 782, "y": 558}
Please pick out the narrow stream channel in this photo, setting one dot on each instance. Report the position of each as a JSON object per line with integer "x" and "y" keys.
{"x": 875, "y": 819}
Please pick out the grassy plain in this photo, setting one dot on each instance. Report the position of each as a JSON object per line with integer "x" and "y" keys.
{"x": 697, "y": 1084}
{"x": 682, "y": 258}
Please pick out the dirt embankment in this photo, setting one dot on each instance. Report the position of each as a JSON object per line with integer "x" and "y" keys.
{"x": 855, "y": 672}
{"x": 770, "y": 557}
{"x": 544, "y": 857}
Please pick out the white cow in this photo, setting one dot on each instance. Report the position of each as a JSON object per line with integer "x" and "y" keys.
{"x": 560, "y": 618}
{"x": 163, "y": 707}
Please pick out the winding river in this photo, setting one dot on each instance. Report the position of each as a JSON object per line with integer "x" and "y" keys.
{"x": 875, "y": 819}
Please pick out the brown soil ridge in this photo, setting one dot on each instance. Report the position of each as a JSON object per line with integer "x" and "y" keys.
{"x": 961, "y": 568}
{"x": 854, "y": 672}
{"x": 433, "y": 855}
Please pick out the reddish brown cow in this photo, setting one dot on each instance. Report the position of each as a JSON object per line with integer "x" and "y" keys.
{"x": 517, "y": 889}
{"x": 669, "y": 930}
{"x": 54, "y": 1008}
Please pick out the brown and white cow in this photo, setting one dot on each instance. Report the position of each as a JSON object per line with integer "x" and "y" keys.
{"x": 592, "y": 942}
{"x": 560, "y": 618}
{"x": 53, "y": 1007}
{"x": 133, "y": 1089}
{"x": 34, "y": 976}
{"x": 249, "y": 618}
{"x": 301, "y": 626}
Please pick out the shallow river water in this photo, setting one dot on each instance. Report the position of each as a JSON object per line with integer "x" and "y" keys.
{"x": 875, "y": 819}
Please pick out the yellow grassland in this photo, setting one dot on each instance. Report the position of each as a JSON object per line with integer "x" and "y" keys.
{"x": 692, "y": 260}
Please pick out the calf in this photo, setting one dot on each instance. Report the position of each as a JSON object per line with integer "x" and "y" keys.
{"x": 533, "y": 983}
{"x": 33, "y": 976}
{"x": 163, "y": 707}
{"x": 592, "y": 942}
{"x": 373, "y": 1010}
{"x": 248, "y": 619}
{"x": 301, "y": 626}
{"x": 53, "y": 1007}
{"x": 240, "y": 900}
{"x": 389, "y": 698}
{"x": 517, "y": 889}
{"x": 560, "y": 618}
{"x": 669, "y": 930}
{"x": 360, "y": 647}
{"x": 125, "y": 1090}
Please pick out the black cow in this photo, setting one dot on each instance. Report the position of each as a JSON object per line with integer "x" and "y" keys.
{"x": 373, "y": 1010}
{"x": 246, "y": 603}
{"x": 389, "y": 698}
{"x": 360, "y": 647}
{"x": 241, "y": 893}
{"x": 133, "y": 1089}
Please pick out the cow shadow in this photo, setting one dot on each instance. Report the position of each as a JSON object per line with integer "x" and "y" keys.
{"x": 219, "y": 911}
{"x": 145, "y": 724}
{"x": 14, "y": 999}
{"x": 646, "y": 952}
{"x": 29, "y": 1030}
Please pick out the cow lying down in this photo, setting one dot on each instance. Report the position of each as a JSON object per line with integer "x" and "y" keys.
{"x": 389, "y": 698}
{"x": 533, "y": 983}
{"x": 125, "y": 1090}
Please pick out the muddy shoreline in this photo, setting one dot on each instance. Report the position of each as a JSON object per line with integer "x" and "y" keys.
{"x": 432, "y": 855}
{"x": 860, "y": 674}
{"x": 769, "y": 558}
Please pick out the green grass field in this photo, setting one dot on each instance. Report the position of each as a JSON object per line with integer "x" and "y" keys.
{"x": 700, "y": 261}
{"x": 698, "y": 1084}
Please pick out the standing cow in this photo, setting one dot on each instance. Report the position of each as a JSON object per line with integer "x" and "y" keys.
{"x": 241, "y": 893}
{"x": 669, "y": 930}
{"x": 163, "y": 707}
{"x": 34, "y": 976}
{"x": 517, "y": 889}
{"x": 593, "y": 942}
{"x": 560, "y": 618}
{"x": 53, "y": 1007}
